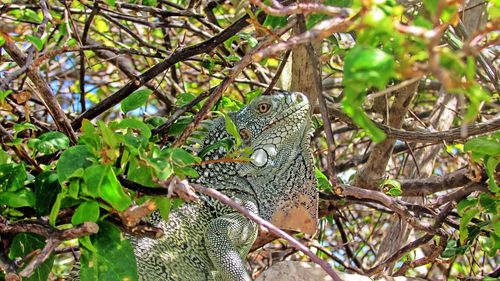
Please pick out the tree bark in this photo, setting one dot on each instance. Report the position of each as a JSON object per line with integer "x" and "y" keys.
{"x": 422, "y": 165}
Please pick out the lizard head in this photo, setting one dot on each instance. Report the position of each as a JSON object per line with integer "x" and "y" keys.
{"x": 277, "y": 128}
{"x": 271, "y": 123}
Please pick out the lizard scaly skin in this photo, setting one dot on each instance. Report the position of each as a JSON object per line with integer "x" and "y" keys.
{"x": 207, "y": 240}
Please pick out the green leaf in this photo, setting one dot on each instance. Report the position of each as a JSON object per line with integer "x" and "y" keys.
{"x": 184, "y": 98}
{"x": 163, "y": 169}
{"x": 135, "y": 100}
{"x": 231, "y": 127}
{"x": 101, "y": 178}
{"x": 179, "y": 126}
{"x": 71, "y": 42}
{"x": 12, "y": 176}
{"x": 24, "y": 244}
{"x": 129, "y": 123}
{"x": 476, "y": 95}
{"x": 252, "y": 42}
{"x": 4, "y": 94}
{"x": 154, "y": 121}
{"x": 21, "y": 198}
{"x": 164, "y": 206}
{"x": 392, "y": 187}
{"x": 87, "y": 211}
{"x": 46, "y": 189}
{"x": 313, "y": 20}
{"x": 111, "y": 2}
{"x": 274, "y": 21}
{"x": 5, "y": 158}
{"x": 2, "y": 41}
{"x": 450, "y": 250}
{"x": 488, "y": 203}
{"x": 37, "y": 42}
{"x": 184, "y": 172}
{"x": 140, "y": 172}
{"x": 23, "y": 126}
{"x": 101, "y": 24}
{"x": 230, "y": 104}
{"x": 31, "y": 16}
{"x": 491, "y": 165}
{"x": 365, "y": 67}
{"x": 51, "y": 142}
{"x": 141, "y": 139}
{"x": 322, "y": 181}
{"x": 108, "y": 135}
{"x": 113, "y": 260}
{"x": 151, "y": 3}
{"x": 226, "y": 143}
{"x": 361, "y": 119}
{"x": 87, "y": 243}
{"x": 253, "y": 94}
{"x": 74, "y": 158}
{"x": 464, "y": 222}
{"x": 180, "y": 157}
{"x": 466, "y": 204}
{"x": 54, "y": 212}
{"x": 369, "y": 67}
{"x": 208, "y": 64}
{"x": 74, "y": 188}
{"x": 90, "y": 136}
{"x": 483, "y": 145}
{"x": 431, "y": 5}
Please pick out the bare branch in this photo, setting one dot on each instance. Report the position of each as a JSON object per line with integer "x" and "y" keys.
{"x": 301, "y": 8}
{"x": 176, "y": 56}
{"x": 452, "y": 136}
{"x": 44, "y": 90}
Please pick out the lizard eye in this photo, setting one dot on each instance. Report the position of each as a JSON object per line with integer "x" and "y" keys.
{"x": 264, "y": 107}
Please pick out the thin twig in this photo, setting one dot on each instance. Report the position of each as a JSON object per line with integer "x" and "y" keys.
{"x": 301, "y": 8}
{"x": 177, "y": 56}
{"x": 451, "y": 136}
{"x": 233, "y": 73}
{"x": 54, "y": 237}
{"x": 164, "y": 127}
{"x": 44, "y": 90}
{"x": 273, "y": 229}
{"x": 390, "y": 203}
{"x": 277, "y": 75}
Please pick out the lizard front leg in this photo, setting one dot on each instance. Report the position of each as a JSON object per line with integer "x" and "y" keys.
{"x": 228, "y": 239}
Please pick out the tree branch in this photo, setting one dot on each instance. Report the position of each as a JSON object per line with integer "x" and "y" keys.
{"x": 452, "y": 136}
{"x": 44, "y": 90}
{"x": 233, "y": 73}
{"x": 54, "y": 237}
{"x": 177, "y": 56}
{"x": 430, "y": 185}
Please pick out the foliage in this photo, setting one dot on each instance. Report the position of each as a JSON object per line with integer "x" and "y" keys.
{"x": 46, "y": 174}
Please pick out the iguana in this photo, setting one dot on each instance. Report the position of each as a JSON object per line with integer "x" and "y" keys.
{"x": 207, "y": 240}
